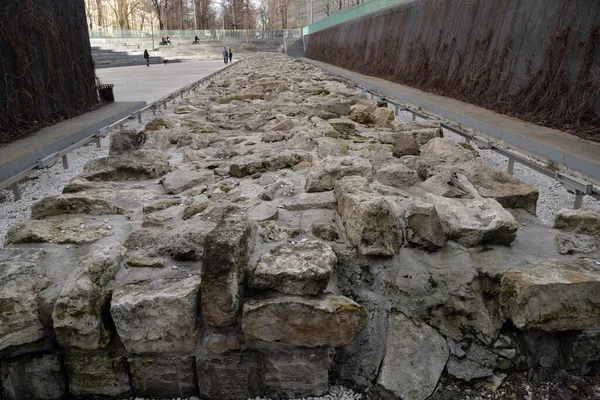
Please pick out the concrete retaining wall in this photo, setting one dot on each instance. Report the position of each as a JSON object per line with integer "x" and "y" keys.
{"x": 536, "y": 59}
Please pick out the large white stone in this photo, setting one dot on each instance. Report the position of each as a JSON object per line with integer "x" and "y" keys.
{"x": 414, "y": 360}
{"x": 158, "y": 316}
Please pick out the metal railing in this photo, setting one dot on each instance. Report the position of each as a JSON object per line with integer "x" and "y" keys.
{"x": 203, "y": 34}
{"x": 52, "y": 159}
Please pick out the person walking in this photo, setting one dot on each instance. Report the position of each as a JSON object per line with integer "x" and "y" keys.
{"x": 225, "y": 55}
{"x": 147, "y": 57}
{"x": 230, "y": 54}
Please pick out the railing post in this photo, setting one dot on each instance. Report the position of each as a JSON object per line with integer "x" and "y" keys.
{"x": 578, "y": 200}
{"x": 16, "y": 191}
{"x": 65, "y": 162}
{"x": 98, "y": 141}
{"x": 511, "y": 166}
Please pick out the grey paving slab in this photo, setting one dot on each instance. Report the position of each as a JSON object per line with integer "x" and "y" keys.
{"x": 579, "y": 155}
{"x": 141, "y": 83}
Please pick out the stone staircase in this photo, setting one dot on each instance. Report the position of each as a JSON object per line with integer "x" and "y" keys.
{"x": 106, "y": 58}
{"x": 295, "y": 49}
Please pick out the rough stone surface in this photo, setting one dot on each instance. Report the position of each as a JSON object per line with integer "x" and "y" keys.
{"x": 58, "y": 232}
{"x": 326, "y": 172}
{"x": 544, "y": 295}
{"x": 405, "y": 145}
{"x": 383, "y": 116}
{"x": 231, "y": 376}
{"x": 40, "y": 377}
{"x": 138, "y": 164}
{"x": 263, "y": 212}
{"x": 97, "y": 374}
{"x": 248, "y": 165}
{"x": 570, "y": 243}
{"x": 158, "y": 316}
{"x": 310, "y": 201}
{"x": 424, "y": 228}
{"x": 370, "y": 224}
{"x": 226, "y": 252}
{"x": 475, "y": 222}
{"x": 325, "y": 231}
{"x": 79, "y": 203}
{"x": 179, "y": 180}
{"x": 126, "y": 141}
{"x": 78, "y": 312}
{"x": 415, "y": 358}
{"x": 582, "y": 221}
{"x": 475, "y": 364}
{"x": 447, "y": 150}
{"x": 158, "y": 124}
{"x": 163, "y": 376}
{"x": 301, "y": 268}
{"x": 297, "y": 373}
{"x": 160, "y": 205}
{"x": 397, "y": 175}
{"x": 21, "y": 280}
{"x": 327, "y": 321}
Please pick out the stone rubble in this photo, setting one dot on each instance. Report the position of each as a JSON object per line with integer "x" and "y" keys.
{"x": 280, "y": 233}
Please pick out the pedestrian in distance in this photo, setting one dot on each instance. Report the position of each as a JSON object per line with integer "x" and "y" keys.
{"x": 147, "y": 57}
{"x": 225, "y": 55}
{"x": 168, "y": 39}
{"x": 196, "y": 40}
{"x": 230, "y": 54}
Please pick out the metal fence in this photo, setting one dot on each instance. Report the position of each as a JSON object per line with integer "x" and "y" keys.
{"x": 203, "y": 34}
{"x": 364, "y": 8}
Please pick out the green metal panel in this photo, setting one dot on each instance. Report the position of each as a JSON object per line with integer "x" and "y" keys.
{"x": 365, "y": 8}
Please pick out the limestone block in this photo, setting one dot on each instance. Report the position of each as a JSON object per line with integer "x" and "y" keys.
{"x": 334, "y": 106}
{"x": 509, "y": 191}
{"x": 570, "y": 243}
{"x": 582, "y": 221}
{"x": 77, "y": 317}
{"x": 370, "y": 223}
{"x": 179, "y": 180}
{"x": 232, "y": 376}
{"x": 472, "y": 222}
{"x": 423, "y": 226}
{"x": 126, "y": 141}
{"x": 327, "y": 146}
{"x": 136, "y": 165}
{"x": 302, "y": 268}
{"x": 342, "y": 128}
{"x": 582, "y": 352}
{"x": 311, "y": 201}
{"x": 158, "y": 316}
{"x": 38, "y": 377}
{"x": 97, "y": 374}
{"x": 268, "y": 161}
{"x": 397, "y": 175}
{"x": 405, "y": 145}
{"x": 59, "y": 232}
{"x": 383, "y": 116}
{"x": 553, "y": 295}
{"x": 79, "y": 203}
{"x": 263, "y": 212}
{"x": 158, "y": 124}
{"x": 163, "y": 376}
{"x": 414, "y": 360}
{"x": 273, "y": 137}
{"x": 325, "y": 321}
{"x": 329, "y": 170}
{"x": 297, "y": 373}
{"x": 448, "y": 151}
{"x": 160, "y": 205}
{"x": 185, "y": 109}
{"x": 222, "y": 342}
{"x": 284, "y": 125}
{"x": 21, "y": 280}
{"x": 226, "y": 252}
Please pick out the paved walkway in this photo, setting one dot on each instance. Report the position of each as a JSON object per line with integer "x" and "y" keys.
{"x": 141, "y": 83}
{"x": 576, "y": 154}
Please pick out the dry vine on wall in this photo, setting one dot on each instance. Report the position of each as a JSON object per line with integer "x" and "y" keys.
{"x": 46, "y": 66}
{"x": 538, "y": 59}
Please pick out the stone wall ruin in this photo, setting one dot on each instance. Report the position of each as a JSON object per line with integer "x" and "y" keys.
{"x": 279, "y": 232}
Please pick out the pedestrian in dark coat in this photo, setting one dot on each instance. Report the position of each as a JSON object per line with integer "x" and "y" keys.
{"x": 147, "y": 57}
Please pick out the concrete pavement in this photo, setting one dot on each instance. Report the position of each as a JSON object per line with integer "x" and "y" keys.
{"x": 141, "y": 83}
